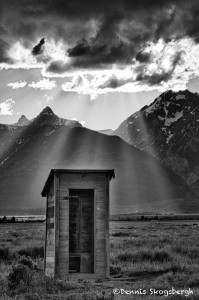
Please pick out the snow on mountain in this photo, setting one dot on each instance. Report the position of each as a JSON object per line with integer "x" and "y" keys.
{"x": 169, "y": 130}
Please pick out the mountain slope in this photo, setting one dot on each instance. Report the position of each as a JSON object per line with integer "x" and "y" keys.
{"x": 12, "y": 136}
{"x": 47, "y": 116}
{"x": 106, "y": 131}
{"x": 169, "y": 130}
{"x": 23, "y": 121}
{"x": 141, "y": 183}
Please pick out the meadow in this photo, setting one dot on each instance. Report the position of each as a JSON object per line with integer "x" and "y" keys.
{"x": 158, "y": 255}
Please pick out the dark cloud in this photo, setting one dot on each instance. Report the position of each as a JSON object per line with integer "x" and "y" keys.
{"x": 39, "y": 48}
{"x": 95, "y": 54}
{"x": 123, "y": 34}
{"x": 58, "y": 67}
{"x": 155, "y": 78}
{"x": 82, "y": 48}
{"x": 178, "y": 59}
{"x": 143, "y": 57}
{"x": 162, "y": 75}
{"x": 97, "y": 34}
{"x": 105, "y": 47}
{"x": 193, "y": 24}
{"x": 113, "y": 82}
{"x": 164, "y": 26}
{"x": 4, "y": 58}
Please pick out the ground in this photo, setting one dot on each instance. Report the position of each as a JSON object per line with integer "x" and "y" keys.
{"x": 158, "y": 255}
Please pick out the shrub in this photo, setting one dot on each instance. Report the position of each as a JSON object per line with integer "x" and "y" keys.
{"x": 20, "y": 274}
{"x": 5, "y": 253}
{"x": 3, "y": 286}
{"x": 191, "y": 252}
{"x": 115, "y": 270}
{"x": 123, "y": 257}
{"x": 33, "y": 252}
{"x": 193, "y": 281}
{"x": 31, "y": 296}
{"x": 156, "y": 255}
{"x": 27, "y": 261}
{"x": 118, "y": 234}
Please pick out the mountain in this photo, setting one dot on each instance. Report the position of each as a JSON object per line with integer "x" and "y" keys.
{"x": 23, "y": 121}
{"x": 169, "y": 130}
{"x": 47, "y": 116}
{"x": 106, "y": 131}
{"x": 12, "y": 136}
{"x": 141, "y": 183}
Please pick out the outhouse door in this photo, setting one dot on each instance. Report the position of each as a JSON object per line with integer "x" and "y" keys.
{"x": 81, "y": 231}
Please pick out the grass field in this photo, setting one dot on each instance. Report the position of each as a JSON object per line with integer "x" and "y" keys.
{"x": 143, "y": 256}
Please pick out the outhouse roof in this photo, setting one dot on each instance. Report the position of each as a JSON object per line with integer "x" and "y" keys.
{"x": 49, "y": 180}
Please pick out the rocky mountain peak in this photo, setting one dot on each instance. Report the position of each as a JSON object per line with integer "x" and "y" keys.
{"x": 47, "y": 116}
{"x": 168, "y": 129}
{"x": 172, "y": 102}
{"x": 23, "y": 121}
{"x": 47, "y": 111}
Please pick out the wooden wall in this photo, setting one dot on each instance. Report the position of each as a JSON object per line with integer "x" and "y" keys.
{"x": 50, "y": 233}
{"x": 57, "y": 223}
{"x": 98, "y": 182}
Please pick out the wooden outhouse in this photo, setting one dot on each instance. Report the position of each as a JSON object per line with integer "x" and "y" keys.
{"x": 77, "y": 223}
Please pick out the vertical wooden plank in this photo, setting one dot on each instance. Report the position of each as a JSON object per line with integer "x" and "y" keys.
{"x": 63, "y": 250}
{"x": 107, "y": 200}
{"x": 80, "y": 209}
{"x": 56, "y": 191}
{"x": 95, "y": 240}
{"x": 45, "y": 234}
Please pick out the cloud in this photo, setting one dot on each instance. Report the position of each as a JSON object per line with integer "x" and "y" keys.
{"x": 44, "y": 84}
{"x": 6, "y": 107}
{"x": 97, "y": 83}
{"x": 161, "y": 74}
{"x": 17, "y": 85}
{"x": 39, "y": 48}
{"x": 81, "y": 122}
{"x": 48, "y": 98}
{"x": 100, "y": 39}
{"x": 4, "y": 47}
{"x": 96, "y": 33}
{"x": 58, "y": 67}
{"x": 21, "y": 57}
{"x": 143, "y": 57}
{"x": 169, "y": 67}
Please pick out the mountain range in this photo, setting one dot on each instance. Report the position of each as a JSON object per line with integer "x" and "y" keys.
{"x": 168, "y": 129}
{"x": 144, "y": 181}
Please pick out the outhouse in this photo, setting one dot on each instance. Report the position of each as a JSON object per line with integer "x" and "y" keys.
{"x": 77, "y": 223}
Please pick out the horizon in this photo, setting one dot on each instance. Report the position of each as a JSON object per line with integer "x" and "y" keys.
{"x": 85, "y": 124}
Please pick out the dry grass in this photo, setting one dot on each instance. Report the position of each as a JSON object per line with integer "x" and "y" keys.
{"x": 157, "y": 255}
{"x": 150, "y": 247}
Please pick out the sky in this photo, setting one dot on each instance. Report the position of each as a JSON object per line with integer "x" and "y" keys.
{"x": 94, "y": 61}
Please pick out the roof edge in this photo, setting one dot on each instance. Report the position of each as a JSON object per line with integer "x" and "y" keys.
{"x": 65, "y": 171}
